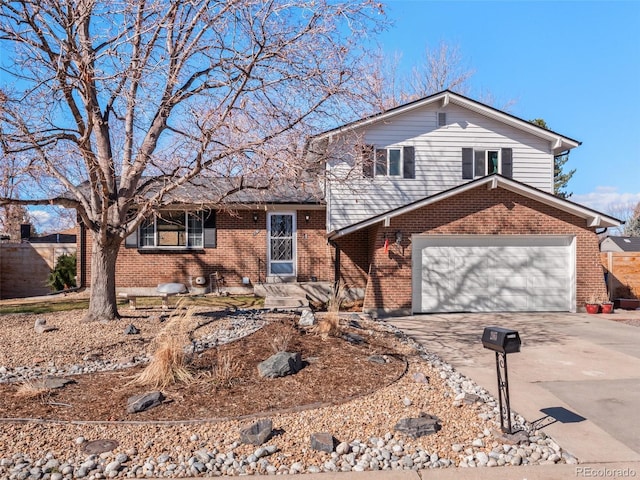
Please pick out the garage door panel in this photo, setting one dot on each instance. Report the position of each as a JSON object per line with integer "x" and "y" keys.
{"x": 518, "y": 302}
{"x": 494, "y": 273}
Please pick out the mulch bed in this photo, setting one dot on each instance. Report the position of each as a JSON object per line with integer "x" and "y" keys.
{"x": 335, "y": 370}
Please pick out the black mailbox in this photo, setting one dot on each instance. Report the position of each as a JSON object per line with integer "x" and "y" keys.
{"x": 501, "y": 340}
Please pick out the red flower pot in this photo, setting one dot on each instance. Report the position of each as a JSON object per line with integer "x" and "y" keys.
{"x": 592, "y": 307}
{"x": 607, "y": 307}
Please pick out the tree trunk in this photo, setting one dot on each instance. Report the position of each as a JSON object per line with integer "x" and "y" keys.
{"x": 103, "y": 304}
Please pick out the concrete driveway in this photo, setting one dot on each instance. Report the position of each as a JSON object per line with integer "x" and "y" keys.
{"x": 578, "y": 375}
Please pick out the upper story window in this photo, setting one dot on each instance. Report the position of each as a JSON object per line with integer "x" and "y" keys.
{"x": 176, "y": 230}
{"x": 393, "y": 162}
{"x": 389, "y": 162}
{"x": 480, "y": 162}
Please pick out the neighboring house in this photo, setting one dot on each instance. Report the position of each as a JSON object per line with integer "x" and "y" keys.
{"x": 620, "y": 244}
{"x": 443, "y": 204}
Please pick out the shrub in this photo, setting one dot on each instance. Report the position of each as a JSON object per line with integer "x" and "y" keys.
{"x": 63, "y": 276}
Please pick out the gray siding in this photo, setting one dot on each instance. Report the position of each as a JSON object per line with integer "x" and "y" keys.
{"x": 438, "y": 161}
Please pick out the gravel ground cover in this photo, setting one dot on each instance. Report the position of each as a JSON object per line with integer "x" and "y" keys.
{"x": 363, "y": 425}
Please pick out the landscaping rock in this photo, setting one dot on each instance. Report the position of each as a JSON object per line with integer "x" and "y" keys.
{"x": 53, "y": 383}
{"x": 353, "y": 338}
{"x": 322, "y": 441}
{"x": 280, "y": 365}
{"x": 307, "y": 318}
{"x": 377, "y": 359}
{"x": 420, "y": 377}
{"x": 257, "y": 433}
{"x": 470, "y": 398}
{"x": 418, "y": 427}
{"x": 41, "y": 326}
{"x": 140, "y": 403}
{"x": 96, "y": 447}
{"x": 131, "y": 330}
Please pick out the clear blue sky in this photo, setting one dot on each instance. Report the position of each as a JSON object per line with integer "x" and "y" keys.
{"x": 576, "y": 64}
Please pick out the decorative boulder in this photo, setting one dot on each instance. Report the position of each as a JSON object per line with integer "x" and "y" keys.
{"x": 307, "y": 318}
{"x": 280, "y": 365}
{"x": 322, "y": 442}
{"x": 418, "y": 427}
{"x": 41, "y": 326}
{"x": 257, "y": 433}
{"x": 131, "y": 329}
{"x": 140, "y": 403}
{"x": 377, "y": 359}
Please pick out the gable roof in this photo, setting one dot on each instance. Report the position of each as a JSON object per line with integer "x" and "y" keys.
{"x": 560, "y": 142}
{"x": 591, "y": 217}
{"x": 620, "y": 244}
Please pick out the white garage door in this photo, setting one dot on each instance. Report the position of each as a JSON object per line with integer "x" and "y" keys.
{"x": 493, "y": 273}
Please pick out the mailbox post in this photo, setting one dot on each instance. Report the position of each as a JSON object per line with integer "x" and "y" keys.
{"x": 502, "y": 341}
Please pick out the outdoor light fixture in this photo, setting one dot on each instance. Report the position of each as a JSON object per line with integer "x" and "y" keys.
{"x": 307, "y": 217}
{"x": 255, "y": 217}
{"x": 398, "y": 237}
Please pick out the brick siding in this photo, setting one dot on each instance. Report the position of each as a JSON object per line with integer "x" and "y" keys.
{"x": 241, "y": 251}
{"x": 475, "y": 212}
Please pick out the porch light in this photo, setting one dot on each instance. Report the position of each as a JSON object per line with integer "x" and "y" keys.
{"x": 307, "y": 217}
{"x": 398, "y": 237}
{"x": 255, "y": 217}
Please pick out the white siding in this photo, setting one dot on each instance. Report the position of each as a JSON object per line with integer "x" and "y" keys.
{"x": 438, "y": 161}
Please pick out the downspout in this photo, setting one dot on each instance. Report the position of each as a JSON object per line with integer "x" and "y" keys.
{"x": 82, "y": 280}
{"x": 336, "y": 264}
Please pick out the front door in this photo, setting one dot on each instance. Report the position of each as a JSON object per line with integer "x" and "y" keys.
{"x": 282, "y": 244}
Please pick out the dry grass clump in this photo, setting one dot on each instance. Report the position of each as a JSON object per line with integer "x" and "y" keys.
{"x": 29, "y": 389}
{"x": 169, "y": 362}
{"x": 280, "y": 342}
{"x": 329, "y": 324}
{"x": 225, "y": 370}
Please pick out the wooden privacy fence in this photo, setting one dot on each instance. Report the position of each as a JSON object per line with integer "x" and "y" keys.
{"x": 623, "y": 271}
{"x": 24, "y": 267}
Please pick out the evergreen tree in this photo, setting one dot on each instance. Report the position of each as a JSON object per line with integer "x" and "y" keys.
{"x": 560, "y": 177}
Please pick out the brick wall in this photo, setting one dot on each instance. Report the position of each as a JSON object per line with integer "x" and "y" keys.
{"x": 241, "y": 252}
{"x": 24, "y": 267}
{"x": 476, "y": 212}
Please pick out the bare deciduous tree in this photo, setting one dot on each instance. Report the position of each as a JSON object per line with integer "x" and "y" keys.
{"x": 629, "y": 213}
{"x": 384, "y": 86}
{"x": 108, "y": 94}
{"x": 443, "y": 69}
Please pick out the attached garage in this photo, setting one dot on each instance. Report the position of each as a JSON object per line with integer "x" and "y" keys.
{"x": 493, "y": 273}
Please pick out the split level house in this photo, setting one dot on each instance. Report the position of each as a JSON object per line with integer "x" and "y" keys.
{"x": 440, "y": 205}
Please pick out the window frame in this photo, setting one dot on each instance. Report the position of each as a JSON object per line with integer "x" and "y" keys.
{"x": 187, "y": 219}
{"x": 475, "y": 159}
{"x": 387, "y": 151}
{"x": 498, "y": 151}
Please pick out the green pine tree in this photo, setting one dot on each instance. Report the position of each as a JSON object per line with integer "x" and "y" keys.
{"x": 63, "y": 276}
{"x": 560, "y": 177}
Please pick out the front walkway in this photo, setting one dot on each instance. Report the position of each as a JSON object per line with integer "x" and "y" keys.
{"x": 577, "y": 374}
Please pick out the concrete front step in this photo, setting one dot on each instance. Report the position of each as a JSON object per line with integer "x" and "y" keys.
{"x": 285, "y": 302}
{"x": 315, "y": 291}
